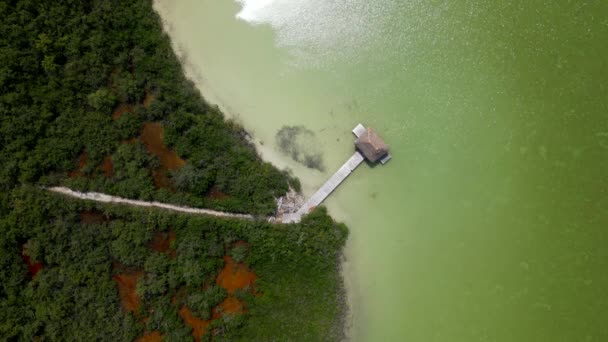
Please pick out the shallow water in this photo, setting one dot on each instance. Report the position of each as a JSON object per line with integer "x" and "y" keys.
{"x": 489, "y": 224}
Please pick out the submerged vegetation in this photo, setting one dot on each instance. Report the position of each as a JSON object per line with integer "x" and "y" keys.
{"x": 93, "y": 98}
{"x": 300, "y": 143}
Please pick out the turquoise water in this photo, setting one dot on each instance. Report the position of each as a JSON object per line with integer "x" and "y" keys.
{"x": 491, "y": 221}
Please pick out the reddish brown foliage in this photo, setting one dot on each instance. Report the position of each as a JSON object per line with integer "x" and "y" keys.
{"x": 216, "y": 194}
{"x": 107, "y": 167}
{"x": 126, "y": 289}
{"x": 152, "y": 137}
{"x": 198, "y": 325}
{"x": 162, "y": 242}
{"x": 148, "y": 99}
{"x": 153, "y": 336}
{"x": 92, "y": 217}
{"x": 235, "y": 276}
{"x": 82, "y": 162}
{"x": 120, "y": 110}
{"x": 230, "y": 305}
{"x": 33, "y": 267}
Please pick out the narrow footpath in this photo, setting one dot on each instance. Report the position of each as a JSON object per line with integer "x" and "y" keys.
{"x": 99, "y": 197}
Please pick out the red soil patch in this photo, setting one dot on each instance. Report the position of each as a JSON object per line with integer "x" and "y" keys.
{"x": 153, "y": 336}
{"x": 148, "y": 99}
{"x": 82, "y": 162}
{"x": 235, "y": 276}
{"x": 179, "y": 295}
{"x": 216, "y": 194}
{"x": 240, "y": 243}
{"x": 33, "y": 267}
{"x": 161, "y": 180}
{"x": 92, "y": 217}
{"x": 107, "y": 167}
{"x": 162, "y": 242}
{"x": 230, "y": 305}
{"x": 198, "y": 325}
{"x": 152, "y": 137}
{"x": 129, "y": 300}
{"x": 120, "y": 110}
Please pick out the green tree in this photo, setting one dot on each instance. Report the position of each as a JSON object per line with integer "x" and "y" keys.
{"x": 102, "y": 100}
{"x": 239, "y": 253}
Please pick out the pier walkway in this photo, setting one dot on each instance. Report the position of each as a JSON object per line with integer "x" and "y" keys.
{"x": 332, "y": 183}
{"x": 369, "y": 147}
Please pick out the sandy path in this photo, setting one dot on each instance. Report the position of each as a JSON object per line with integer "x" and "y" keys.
{"x": 99, "y": 197}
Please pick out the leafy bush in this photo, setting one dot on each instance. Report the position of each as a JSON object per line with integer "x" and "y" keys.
{"x": 239, "y": 253}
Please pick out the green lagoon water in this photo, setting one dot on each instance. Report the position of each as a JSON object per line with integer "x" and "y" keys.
{"x": 491, "y": 221}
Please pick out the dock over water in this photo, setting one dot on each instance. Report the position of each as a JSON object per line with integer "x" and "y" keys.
{"x": 369, "y": 146}
{"x": 332, "y": 183}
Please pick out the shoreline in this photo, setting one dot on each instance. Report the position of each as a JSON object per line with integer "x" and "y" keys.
{"x": 192, "y": 73}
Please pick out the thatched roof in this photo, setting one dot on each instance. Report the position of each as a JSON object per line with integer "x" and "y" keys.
{"x": 371, "y": 145}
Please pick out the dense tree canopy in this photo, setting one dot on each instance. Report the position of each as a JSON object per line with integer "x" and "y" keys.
{"x": 82, "y": 76}
{"x": 80, "y": 81}
{"x": 81, "y": 245}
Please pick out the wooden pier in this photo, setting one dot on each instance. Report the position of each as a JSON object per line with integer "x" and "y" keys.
{"x": 332, "y": 183}
{"x": 369, "y": 146}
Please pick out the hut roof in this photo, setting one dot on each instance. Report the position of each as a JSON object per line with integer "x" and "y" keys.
{"x": 371, "y": 145}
